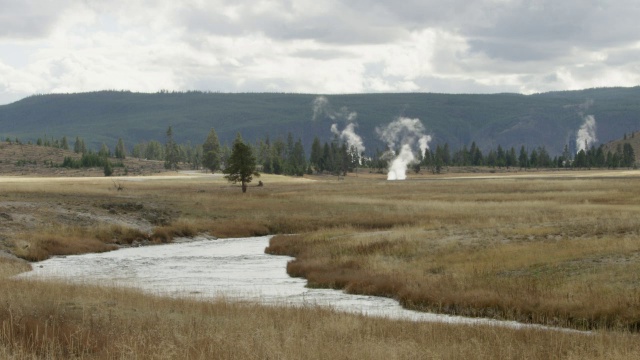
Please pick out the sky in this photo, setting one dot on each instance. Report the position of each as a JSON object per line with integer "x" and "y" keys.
{"x": 317, "y": 46}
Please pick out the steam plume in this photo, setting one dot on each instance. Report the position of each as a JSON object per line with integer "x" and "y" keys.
{"x": 424, "y": 143}
{"x": 348, "y": 134}
{"x": 398, "y": 167}
{"x": 322, "y": 108}
{"x": 586, "y": 136}
{"x": 406, "y": 133}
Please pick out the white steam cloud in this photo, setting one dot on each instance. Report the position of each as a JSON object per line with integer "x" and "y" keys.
{"x": 322, "y": 108}
{"x": 406, "y": 133}
{"x": 348, "y": 134}
{"x": 399, "y": 164}
{"x": 586, "y": 135}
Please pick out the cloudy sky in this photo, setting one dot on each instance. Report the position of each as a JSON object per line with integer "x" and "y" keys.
{"x": 317, "y": 46}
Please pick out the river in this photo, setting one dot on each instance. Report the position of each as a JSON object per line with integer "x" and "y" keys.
{"x": 235, "y": 269}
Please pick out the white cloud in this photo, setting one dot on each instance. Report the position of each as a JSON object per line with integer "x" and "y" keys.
{"x": 316, "y": 46}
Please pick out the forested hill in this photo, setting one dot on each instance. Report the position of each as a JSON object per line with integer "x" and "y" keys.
{"x": 548, "y": 119}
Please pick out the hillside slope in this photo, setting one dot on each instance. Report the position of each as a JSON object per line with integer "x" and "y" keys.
{"x": 32, "y": 160}
{"x": 633, "y": 139}
{"x": 549, "y": 119}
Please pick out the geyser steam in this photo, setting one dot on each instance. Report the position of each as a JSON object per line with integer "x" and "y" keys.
{"x": 406, "y": 133}
{"x": 321, "y": 107}
{"x": 398, "y": 166}
{"x": 348, "y": 134}
{"x": 586, "y": 136}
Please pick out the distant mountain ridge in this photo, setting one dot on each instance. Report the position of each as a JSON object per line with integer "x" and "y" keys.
{"x": 547, "y": 119}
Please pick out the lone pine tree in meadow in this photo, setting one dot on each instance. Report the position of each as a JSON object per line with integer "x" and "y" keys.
{"x": 241, "y": 166}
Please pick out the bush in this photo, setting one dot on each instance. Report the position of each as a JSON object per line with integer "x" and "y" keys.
{"x": 108, "y": 170}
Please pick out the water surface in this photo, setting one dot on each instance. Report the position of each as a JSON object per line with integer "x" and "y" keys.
{"x": 236, "y": 269}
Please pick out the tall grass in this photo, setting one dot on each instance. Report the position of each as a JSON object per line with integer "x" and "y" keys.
{"x": 554, "y": 252}
{"x": 57, "y": 320}
{"x": 40, "y": 244}
{"x": 544, "y": 250}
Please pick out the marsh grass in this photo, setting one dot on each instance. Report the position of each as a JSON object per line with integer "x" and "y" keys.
{"x": 541, "y": 250}
{"x": 40, "y": 244}
{"x": 563, "y": 253}
{"x": 10, "y": 266}
{"x": 58, "y": 320}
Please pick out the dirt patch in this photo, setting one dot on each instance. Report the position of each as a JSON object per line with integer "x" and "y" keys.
{"x": 154, "y": 216}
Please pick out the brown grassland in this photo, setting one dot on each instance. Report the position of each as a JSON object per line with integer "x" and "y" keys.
{"x": 560, "y": 249}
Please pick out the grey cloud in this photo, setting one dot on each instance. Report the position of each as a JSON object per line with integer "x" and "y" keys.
{"x": 457, "y": 86}
{"x": 512, "y": 30}
{"x": 622, "y": 57}
{"x": 28, "y": 19}
{"x": 342, "y": 25}
{"x": 549, "y": 29}
{"x": 322, "y": 54}
{"x": 518, "y": 50}
{"x": 524, "y": 44}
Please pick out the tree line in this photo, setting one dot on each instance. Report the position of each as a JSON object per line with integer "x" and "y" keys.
{"x": 287, "y": 156}
{"x": 441, "y": 156}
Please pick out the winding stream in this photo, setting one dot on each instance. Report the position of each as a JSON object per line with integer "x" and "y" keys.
{"x": 236, "y": 269}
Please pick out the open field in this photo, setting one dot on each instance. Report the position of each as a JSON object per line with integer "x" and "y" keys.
{"x": 560, "y": 248}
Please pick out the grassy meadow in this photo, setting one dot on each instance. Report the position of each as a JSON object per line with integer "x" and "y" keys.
{"x": 558, "y": 249}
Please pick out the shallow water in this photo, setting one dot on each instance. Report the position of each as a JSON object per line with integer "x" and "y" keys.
{"x": 230, "y": 268}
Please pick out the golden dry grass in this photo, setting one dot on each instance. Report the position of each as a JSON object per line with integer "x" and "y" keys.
{"x": 552, "y": 250}
{"x": 56, "y": 321}
{"x": 10, "y": 267}
{"x": 558, "y": 252}
{"x": 54, "y": 239}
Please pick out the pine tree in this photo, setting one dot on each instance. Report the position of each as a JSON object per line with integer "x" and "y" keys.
{"x": 211, "y": 152}
{"x": 79, "y": 147}
{"x": 427, "y": 159}
{"x": 544, "y": 159}
{"x": 492, "y": 158}
{"x": 297, "y": 160}
{"x": 104, "y": 150}
{"x": 65, "y": 144}
{"x": 533, "y": 159}
{"x": 523, "y": 158}
{"x": 264, "y": 153}
{"x": 242, "y": 165}
{"x": 108, "y": 170}
{"x": 628, "y": 155}
{"x": 121, "y": 151}
{"x": 154, "y": 151}
{"x": 172, "y": 152}
{"x": 315, "y": 157}
{"x": 138, "y": 150}
{"x": 501, "y": 157}
{"x": 278, "y": 151}
{"x": 510, "y": 158}
{"x": 446, "y": 155}
{"x": 476, "y": 154}
{"x": 580, "y": 160}
{"x": 438, "y": 161}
